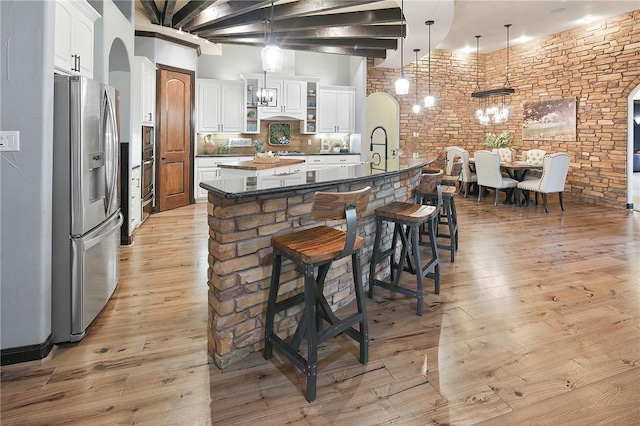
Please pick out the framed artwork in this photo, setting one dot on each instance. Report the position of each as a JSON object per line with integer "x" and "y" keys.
{"x": 552, "y": 120}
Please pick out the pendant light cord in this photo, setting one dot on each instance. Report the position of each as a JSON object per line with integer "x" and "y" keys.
{"x": 478, "y": 63}
{"x": 429, "y": 81}
{"x": 271, "y": 24}
{"x": 506, "y": 83}
{"x": 402, "y": 38}
{"x": 416, "y": 50}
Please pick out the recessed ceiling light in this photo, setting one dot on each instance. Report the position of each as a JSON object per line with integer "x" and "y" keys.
{"x": 522, "y": 39}
{"x": 588, "y": 19}
{"x": 467, "y": 49}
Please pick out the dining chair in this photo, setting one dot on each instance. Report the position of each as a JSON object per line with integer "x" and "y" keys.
{"x": 554, "y": 174}
{"x": 489, "y": 175}
{"x": 468, "y": 177}
{"x": 534, "y": 156}
{"x": 506, "y": 154}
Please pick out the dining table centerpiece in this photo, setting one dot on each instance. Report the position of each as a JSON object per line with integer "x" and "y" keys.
{"x": 503, "y": 140}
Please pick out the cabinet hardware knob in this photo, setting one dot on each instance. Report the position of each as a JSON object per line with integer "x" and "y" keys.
{"x": 163, "y": 158}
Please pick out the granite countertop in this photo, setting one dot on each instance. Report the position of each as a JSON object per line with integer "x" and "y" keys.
{"x": 247, "y": 187}
{"x": 288, "y": 154}
{"x": 252, "y": 165}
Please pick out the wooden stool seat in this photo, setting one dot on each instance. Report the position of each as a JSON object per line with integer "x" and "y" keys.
{"x": 408, "y": 212}
{"x": 314, "y": 245}
{"x": 311, "y": 249}
{"x": 408, "y": 218}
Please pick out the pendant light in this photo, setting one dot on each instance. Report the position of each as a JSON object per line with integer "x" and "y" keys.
{"x": 272, "y": 54}
{"x": 402, "y": 84}
{"x": 429, "y": 100}
{"x": 416, "y": 105}
{"x": 492, "y": 113}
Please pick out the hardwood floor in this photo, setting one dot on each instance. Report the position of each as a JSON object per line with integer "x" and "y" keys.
{"x": 537, "y": 322}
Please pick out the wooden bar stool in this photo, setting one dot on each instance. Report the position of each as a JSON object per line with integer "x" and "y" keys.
{"x": 407, "y": 218}
{"x": 426, "y": 193}
{"x": 314, "y": 248}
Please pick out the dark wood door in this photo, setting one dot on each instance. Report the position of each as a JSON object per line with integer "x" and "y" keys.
{"x": 173, "y": 151}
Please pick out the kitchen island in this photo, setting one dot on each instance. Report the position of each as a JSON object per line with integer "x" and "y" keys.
{"x": 243, "y": 215}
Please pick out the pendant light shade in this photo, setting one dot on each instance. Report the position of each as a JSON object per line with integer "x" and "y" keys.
{"x": 429, "y": 100}
{"x": 416, "y": 106}
{"x": 272, "y": 58}
{"x": 271, "y": 54}
{"x": 402, "y": 84}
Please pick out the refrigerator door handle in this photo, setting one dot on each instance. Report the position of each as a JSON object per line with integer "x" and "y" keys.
{"x": 110, "y": 131}
{"x": 99, "y": 236}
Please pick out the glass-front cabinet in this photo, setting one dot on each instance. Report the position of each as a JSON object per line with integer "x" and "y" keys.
{"x": 251, "y": 115}
{"x": 309, "y": 124}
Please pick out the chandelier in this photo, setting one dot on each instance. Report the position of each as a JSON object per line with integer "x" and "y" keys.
{"x": 488, "y": 110}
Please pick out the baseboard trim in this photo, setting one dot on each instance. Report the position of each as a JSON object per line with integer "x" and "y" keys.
{"x": 26, "y": 353}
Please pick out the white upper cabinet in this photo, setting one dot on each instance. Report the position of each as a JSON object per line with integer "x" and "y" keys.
{"x": 336, "y": 110}
{"x": 73, "y": 47}
{"x": 220, "y": 106}
{"x": 291, "y": 98}
{"x": 148, "y": 89}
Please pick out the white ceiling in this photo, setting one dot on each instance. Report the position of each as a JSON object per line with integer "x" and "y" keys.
{"x": 535, "y": 19}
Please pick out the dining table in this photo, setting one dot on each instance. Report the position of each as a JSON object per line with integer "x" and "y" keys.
{"x": 517, "y": 170}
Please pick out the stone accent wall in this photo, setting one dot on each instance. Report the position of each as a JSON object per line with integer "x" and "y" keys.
{"x": 240, "y": 260}
{"x": 598, "y": 64}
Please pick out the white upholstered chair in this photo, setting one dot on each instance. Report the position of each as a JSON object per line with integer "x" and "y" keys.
{"x": 467, "y": 177}
{"x": 489, "y": 176}
{"x": 554, "y": 173}
{"x": 534, "y": 156}
{"x": 506, "y": 154}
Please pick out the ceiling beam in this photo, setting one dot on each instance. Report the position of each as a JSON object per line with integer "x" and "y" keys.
{"x": 336, "y": 50}
{"x": 372, "y": 43}
{"x": 384, "y": 31}
{"x": 151, "y": 11}
{"x": 167, "y": 14}
{"x": 189, "y": 11}
{"x": 369, "y": 17}
{"x": 222, "y": 12}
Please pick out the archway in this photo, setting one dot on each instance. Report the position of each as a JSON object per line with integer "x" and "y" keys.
{"x": 383, "y": 111}
{"x": 120, "y": 79}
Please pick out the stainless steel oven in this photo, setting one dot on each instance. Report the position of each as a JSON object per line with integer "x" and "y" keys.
{"x": 148, "y": 171}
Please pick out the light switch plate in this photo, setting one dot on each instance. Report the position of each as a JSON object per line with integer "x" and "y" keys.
{"x": 10, "y": 140}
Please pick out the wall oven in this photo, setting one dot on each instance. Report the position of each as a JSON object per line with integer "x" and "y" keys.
{"x": 148, "y": 171}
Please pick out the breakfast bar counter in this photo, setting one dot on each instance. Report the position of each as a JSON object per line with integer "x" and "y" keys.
{"x": 242, "y": 219}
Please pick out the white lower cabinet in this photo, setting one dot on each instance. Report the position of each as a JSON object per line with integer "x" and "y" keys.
{"x": 207, "y": 170}
{"x": 135, "y": 192}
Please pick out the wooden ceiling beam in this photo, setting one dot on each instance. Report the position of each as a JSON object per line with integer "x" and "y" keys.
{"x": 369, "y": 17}
{"x": 151, "y": 11}
{"x": 381, "y": 31}
{"x": 371, "y": 43}
{"x": 223, "y": 12}
{"x": 285, "y": 11}
{"x": 189, "y": 11}
{"x": 167, "y": 14}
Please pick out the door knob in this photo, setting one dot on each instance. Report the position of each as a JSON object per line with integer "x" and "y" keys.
{"x": 163, "y": 158}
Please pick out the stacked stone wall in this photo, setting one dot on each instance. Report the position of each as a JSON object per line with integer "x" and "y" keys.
{"x": 597, "y": 64}
{"x": 240, "y": 260}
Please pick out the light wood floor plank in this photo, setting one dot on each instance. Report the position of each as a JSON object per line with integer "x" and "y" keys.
{"x": 538, "y": 321}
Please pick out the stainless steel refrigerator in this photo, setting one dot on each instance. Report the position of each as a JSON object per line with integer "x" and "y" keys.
{"x": 86, "y": 204}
